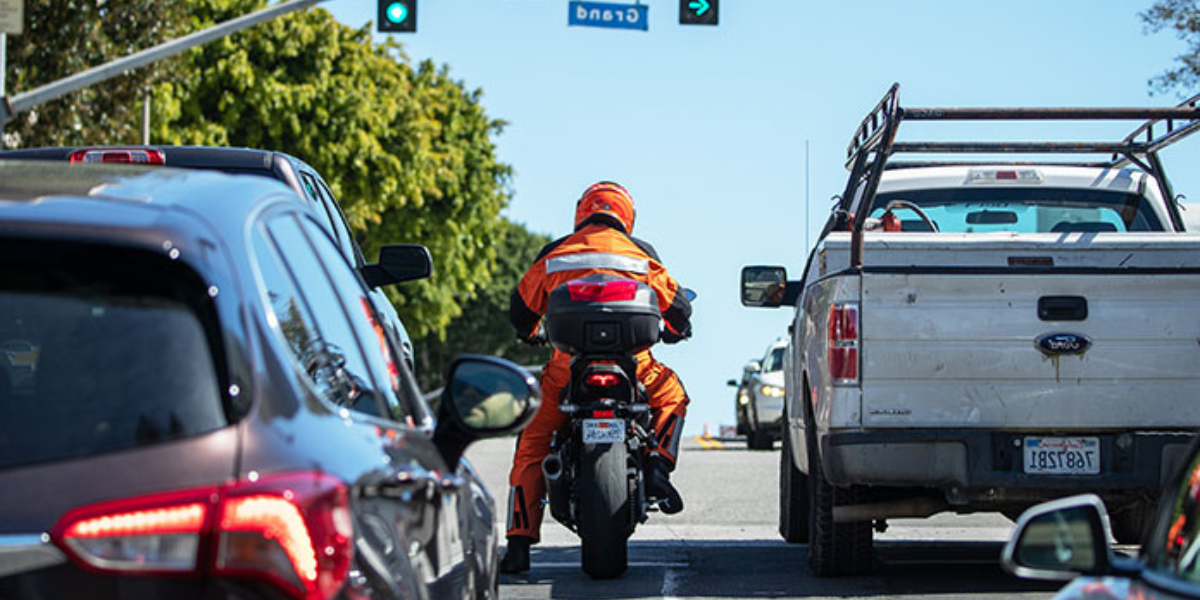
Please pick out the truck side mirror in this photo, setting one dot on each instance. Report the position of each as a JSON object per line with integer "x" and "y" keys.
{"x": 763, "y": 287}
{"x": 399, "y": 263}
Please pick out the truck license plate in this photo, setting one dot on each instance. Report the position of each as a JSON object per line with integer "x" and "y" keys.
{"x": 603, "y": 431}
{"x": 1062, "y": 455}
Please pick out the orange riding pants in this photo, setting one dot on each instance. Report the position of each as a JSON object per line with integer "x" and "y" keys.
{"x": 668, "y": 404}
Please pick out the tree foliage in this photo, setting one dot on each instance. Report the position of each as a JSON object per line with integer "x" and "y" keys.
{"x": 407, "y": 151}
{"x": 64, "y": 37}
{"x": 1182, "y": 16}
{"x": 483, "y": 328}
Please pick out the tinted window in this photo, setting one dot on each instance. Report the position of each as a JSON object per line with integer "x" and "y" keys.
{"x": 344, "y": 238}
{"x": 323, "y": 348}
{"x": 365, "y": 321}
{"x": 312, "y": 194}
{"x": 1024, "y": 210}
{"x": 101, "y": 350}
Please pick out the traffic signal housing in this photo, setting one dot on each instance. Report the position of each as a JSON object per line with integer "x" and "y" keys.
{"x": 397, "y": 16}
{"x": 699, "y": 12}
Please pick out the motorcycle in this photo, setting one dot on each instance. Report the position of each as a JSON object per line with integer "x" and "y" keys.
{"x": 595, "y": 472}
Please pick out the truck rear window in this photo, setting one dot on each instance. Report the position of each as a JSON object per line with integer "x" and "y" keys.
{"x": 101, "y": 349}
{"x": 1022, "y": 210}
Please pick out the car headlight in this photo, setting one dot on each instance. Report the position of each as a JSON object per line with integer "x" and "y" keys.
{"x": 771, "y": 391}
{"x": 743, "y": 398}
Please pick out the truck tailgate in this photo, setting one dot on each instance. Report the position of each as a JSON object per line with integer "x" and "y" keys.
{"x": 950, "y": 329}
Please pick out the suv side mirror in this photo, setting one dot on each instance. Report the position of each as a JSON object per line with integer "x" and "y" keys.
{"x": 753, "y": 366}
{"x": 484, "y": 396}
{"x": 399, "y": 263}
{"x": 1060, "y": 540}
{"x": 763, "y": 287}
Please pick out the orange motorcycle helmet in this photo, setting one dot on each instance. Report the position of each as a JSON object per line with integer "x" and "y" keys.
{"x": 605, "y": 198}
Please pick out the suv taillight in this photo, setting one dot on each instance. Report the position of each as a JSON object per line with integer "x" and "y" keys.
{"x": 843, "y": 343}
{"x": 135, "y": 156}
{"x": 292, "y": 530}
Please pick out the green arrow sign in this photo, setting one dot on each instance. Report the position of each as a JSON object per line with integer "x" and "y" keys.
{"x": 699, "y": 12}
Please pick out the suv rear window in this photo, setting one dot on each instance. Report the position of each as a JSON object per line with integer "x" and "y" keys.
{"x": 101, "y": 349}
{"x": 1022, "y": 210}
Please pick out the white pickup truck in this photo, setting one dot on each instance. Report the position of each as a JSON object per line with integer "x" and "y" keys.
{"x": 986, "y": 336}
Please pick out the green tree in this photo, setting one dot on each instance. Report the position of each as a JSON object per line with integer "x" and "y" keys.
{"x": 483, "y": 327}
{"x": 1182, "y": 16}
{"x": 64, "y": 37}
{"x": 407, "y": 151}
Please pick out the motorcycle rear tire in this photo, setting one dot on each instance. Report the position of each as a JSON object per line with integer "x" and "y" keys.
{"x": 605, "y": 512}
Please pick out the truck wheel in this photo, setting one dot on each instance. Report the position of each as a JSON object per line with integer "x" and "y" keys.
{"x": 793, "y": 498}
{"x": 834, "y": 548}
{"x": 605, "y": 517}
{"x": 1129, "y": 525}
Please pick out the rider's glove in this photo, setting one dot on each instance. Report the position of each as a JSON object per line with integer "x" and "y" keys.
{"x": 670, "y": 337}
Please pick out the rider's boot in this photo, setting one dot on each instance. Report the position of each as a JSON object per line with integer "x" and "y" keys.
{"x": 516, "y": 555}
{"x": 658, "y": 485}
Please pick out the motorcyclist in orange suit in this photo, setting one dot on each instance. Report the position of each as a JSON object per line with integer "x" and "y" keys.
{"x": 601, "y": 243}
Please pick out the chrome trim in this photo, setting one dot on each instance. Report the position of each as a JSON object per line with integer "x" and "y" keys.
{"x": 597, "y": 260}
{"x": 28, "y": 552}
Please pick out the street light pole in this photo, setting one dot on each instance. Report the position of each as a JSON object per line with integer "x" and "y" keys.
{"x": 27, "y": 100}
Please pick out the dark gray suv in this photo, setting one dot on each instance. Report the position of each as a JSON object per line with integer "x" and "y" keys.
{"x": 214, "y": 410}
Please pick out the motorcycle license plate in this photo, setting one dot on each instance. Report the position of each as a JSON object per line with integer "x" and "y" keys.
{"x": 603, "y": 431}
{"x": 1062, "y": 455}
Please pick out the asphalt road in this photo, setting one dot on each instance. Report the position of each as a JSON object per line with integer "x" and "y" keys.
{"x": 725, "y": 545}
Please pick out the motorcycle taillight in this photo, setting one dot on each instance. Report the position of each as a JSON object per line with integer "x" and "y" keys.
{"x": 603, "y": 380}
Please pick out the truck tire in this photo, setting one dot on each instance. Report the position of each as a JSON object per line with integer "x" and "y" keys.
{"x": 793, "y": 498}
{"x": 605, "y": 512}
{"x": 834, "y": 548}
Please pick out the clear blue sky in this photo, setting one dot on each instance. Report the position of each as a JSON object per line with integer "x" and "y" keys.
{"x": 707, "y": 126}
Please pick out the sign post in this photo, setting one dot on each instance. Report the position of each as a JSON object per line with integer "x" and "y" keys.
{"x": 12, "y": 20}
{"x": 608, "y": 15}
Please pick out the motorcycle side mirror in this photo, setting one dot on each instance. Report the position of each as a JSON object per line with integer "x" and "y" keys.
{"x": 484, "y": 397}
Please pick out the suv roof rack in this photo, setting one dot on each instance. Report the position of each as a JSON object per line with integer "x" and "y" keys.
{"x": 874, "y": 142}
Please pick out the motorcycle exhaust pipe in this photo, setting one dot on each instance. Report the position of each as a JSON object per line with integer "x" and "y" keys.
{"x": 552, "y": 467}
{"x": 558, "y": 491}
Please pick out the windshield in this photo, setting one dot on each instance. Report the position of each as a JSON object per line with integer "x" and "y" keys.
{"x": 774, "y": 360}
{"x": 1022, "y": 210}
{"x": 100, "y": 350}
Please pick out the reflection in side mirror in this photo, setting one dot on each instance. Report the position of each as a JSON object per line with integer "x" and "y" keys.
{"x": 399, "y": 263}
{"x": 1059, "y": 540}
{"x": 489, "y": 397}
{"x": 484, "y": 396}
{"x": 763, "y": 286}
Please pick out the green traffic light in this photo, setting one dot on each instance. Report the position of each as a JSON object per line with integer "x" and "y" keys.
{"x": 397, "y": 12}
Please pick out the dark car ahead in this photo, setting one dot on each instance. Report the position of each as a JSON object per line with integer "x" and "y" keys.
{"x": 214, "y": 410}
{"x": 1070, "y": 538}
{"x": 411, "y": 261}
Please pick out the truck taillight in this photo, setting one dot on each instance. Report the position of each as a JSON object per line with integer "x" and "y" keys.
{"x": 843, "y": 343}
{"x": 292, "y": 530}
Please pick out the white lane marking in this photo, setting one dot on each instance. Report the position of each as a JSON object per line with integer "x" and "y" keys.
{"x": 575, "y": 565}
{"x": 670, "y": 584}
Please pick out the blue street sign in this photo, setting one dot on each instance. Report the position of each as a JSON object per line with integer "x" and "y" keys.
{"x": 605, "y": 14}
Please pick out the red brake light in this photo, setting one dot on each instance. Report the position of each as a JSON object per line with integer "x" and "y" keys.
{"x": 602, "y": 414}
{"x": 292, "y": 530}
{"x": 603, "y": 380}
{"x": 843, "y": 343}
{"x": 137, "y": 156}
{"x": 602, "y": 291}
